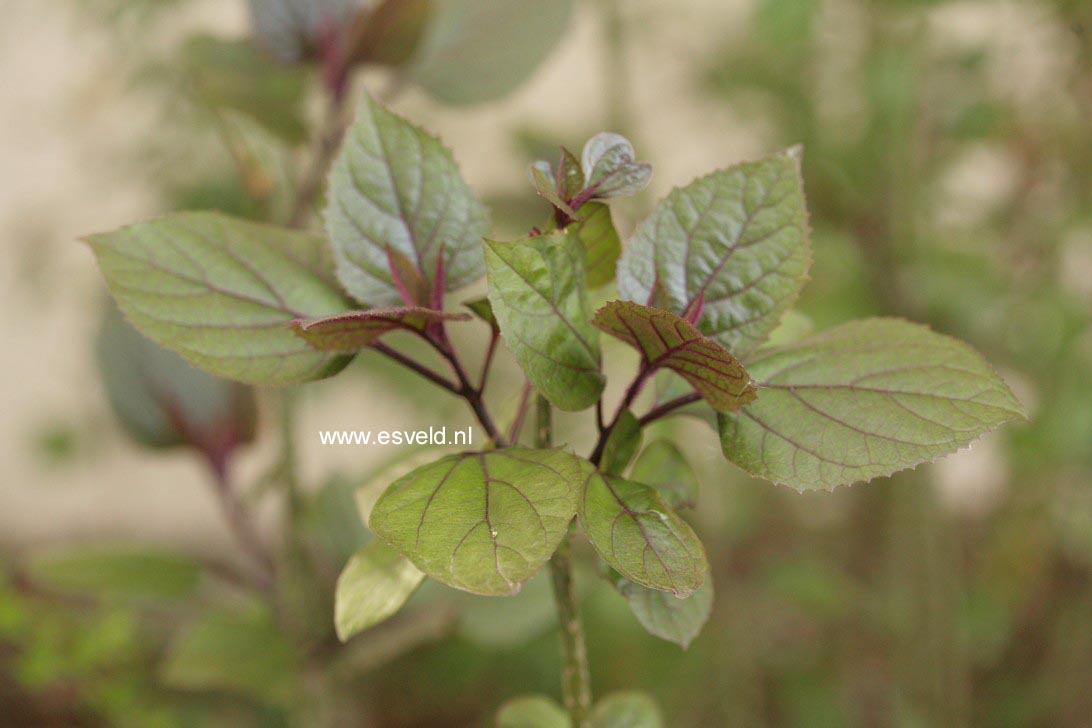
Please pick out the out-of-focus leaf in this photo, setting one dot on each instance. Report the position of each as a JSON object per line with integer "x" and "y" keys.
{"x": 483, "y": 310}
{"x": 666, "y": 616}
{"x": 595, "y": 228}
{"x": 663, "y": 466}
{"x": 395, "y": 187}
{"x": 482, "y": 522}
{"x": 391, "y": 33}
{"x": 480, "y": 50}
{"x": 610, "y": 167}
{"x": 622, "y": 444}
{"x": 536, "y": 286}
{"x": 264, "y": 162}
{"x": 532, "y": 711}
{"x": 507, "y": 623}
{"x": 221, "y": 292}
{"x": 292, "y": 30}
{"x": 861, "y": 401}
{"x": 373, "y": 586}
{"x": 122, "y": 571}
{"x": 628, "y": 709}
{"x": 353, "y": 330}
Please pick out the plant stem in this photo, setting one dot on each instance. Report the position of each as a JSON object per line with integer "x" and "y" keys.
{"x": 627, "y": 400}
{"x": 575, "y": 676}
{"x": 242, "y": 527}
{"x": 466, "y": 390}
{"x": 415, "y": 366}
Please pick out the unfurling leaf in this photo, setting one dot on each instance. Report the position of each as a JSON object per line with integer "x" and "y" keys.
{"x": 669, "y": 341}
{"x": 536, "y": 287}
{"x": 532, "y": 711}
{"x": 482, "y": 522}
{"x": 221, "y": 292}
{"x": 733, "y": 244}
{"x": 373, "y": 586}
{"x": 354, "y": 330}
{"x": 611, "y": 168}
{"x": 666, "y": 616}
{"x": 394, "y": 186}
{"x": 546, "y": 186}
{"x": 636, "y": 533}
{"x": 626, "y": 709}
{"x": 663, "y": 466}
{"x": 863, "y": 400}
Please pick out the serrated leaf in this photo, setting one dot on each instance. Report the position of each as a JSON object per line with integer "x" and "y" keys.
{"x": 733, "y": 244}
{"x": 610, "y": 167}
{"x": 480, "y": 50}
{"x": 669, "y": 341}
{"x": 595, "y": 228}
{"x": 626, "y": 709}
{"x": 117, "y": 571}
{"x": 536, "y": 287}
{"x": 532, "y": 711}
{"x": 374, "y": 585}
{"x": 482, "y": 522}
{"x": 636, "y": 533}
{"x": 666, "y": 616}
{"x": 394, "y": 185}
{"x": 663, "y": 466}
{"x": 863, "y": 400}
{"x": 354, "y": 330}
{"x": 622, "y": 444}
{"x": 221, "y": 292}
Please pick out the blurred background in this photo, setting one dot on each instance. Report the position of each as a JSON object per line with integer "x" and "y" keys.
{"x": 948, "y": 168}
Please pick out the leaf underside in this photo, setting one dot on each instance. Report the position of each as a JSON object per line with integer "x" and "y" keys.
{"x": 482, "y": 522}
{"x": 221, "y": 292}
{"x": 670, "y": 342}
{"x": 861, "y": 401}
{"x": 354, "y": 330}
{"x": 636, "y": 533}
{"x": 733, "y": 243}
{"x": 374, "y": 585}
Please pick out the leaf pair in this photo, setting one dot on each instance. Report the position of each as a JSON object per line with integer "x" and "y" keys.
{"x": 626, "y": 709}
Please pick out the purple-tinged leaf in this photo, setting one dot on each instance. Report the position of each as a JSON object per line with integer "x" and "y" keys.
{"x": 353, "y": 330}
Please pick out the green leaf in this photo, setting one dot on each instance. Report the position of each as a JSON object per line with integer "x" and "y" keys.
{"x": 504, "y": 624}
{"x": 622, "y": 444}
{"x": 482, "y": 522}
{"x": 354, "y": 330}
{"x": 532, "y": 711}
{"x": 570, "y": 175}
{"x": 373, "y": 586}
{"x": 122, "y": 571}
{"x": 611, "y": 168}
{"x": 546, "y": 187}
{"x": 863, "y": 400}
{"x": 640, "y": 537}
{"x": 480, "y": 50}
{"x": 668, "y": 341}
{"x": 663, "y": 466}
{"x": 666, "y": 616}
{"x": 395, "y": 186}
{"x": 221, "y": 292}
{"x": 161, "y": 401}
{"x": 595, "y": 228}
{"x": 627, "y": 709}
{"x": 483, "y": 309}
{"x": 536, "y": 286}
{"x": 732, "y": 245}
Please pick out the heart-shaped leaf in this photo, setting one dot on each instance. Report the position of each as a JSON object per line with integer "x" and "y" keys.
{"x": 536, "y": 287}
{"x": 395, "y": 187}
{"x": 861, "y": 401}
{"x": 482, "y": 522}
{"x": 373, "y": 586}
{"x": 221, "y": 292}
{"x": 354, "y": 330}
{"x": 669, "y": 341}
{"x": 733, "y": 244}
{"x": 640, "y": 537}
{"x": 666, "y": 616}
{"x": 611, "y": 168}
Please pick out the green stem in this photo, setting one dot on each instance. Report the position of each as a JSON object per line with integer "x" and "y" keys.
{"x": 575, "y": 676}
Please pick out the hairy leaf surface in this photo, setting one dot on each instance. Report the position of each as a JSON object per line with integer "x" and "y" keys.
{"x": 668, "y": 341}
{"x": 733, "y": 244}
{"x": 536, "y": 287}
{"x": 482, "y": 522}
{"x": 640, "y": 537}
{"x": 863, "y": 400}
{"x": 395, "y": 185}
{"x": 353, "y": 330}
{"x": 374, "y": 585}
{"x": 221, "y": 292}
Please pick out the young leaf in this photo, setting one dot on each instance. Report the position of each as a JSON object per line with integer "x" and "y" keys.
{"x": 536, "y": 287}
{"x": 546, "y": 187}
{"x": 863, "y": 400}
{"x": 482, "y": 522}
{"x": 532, "y": 711}
{"x": 668, "y": 341}
{"x": 611, "y": 168}
{"x": 354, "y": 330}
{"x": 483, "y": 309}
{"x": 622, "y": 444}
{"x": 221, "y": 292}
{"x": 595, "y": 228}
{"x": 733, "y": 244}
{"x": 373, "y": 586}
{"x": 663, "y": 466}
{"x": 628, "y": 709}
{"x": 394, "y": 185}
{"x": 666, "y": 616}
{"x": 480, "y": 50}
{"x": 640, "y": 537}
{"x": 570, "y": 175}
